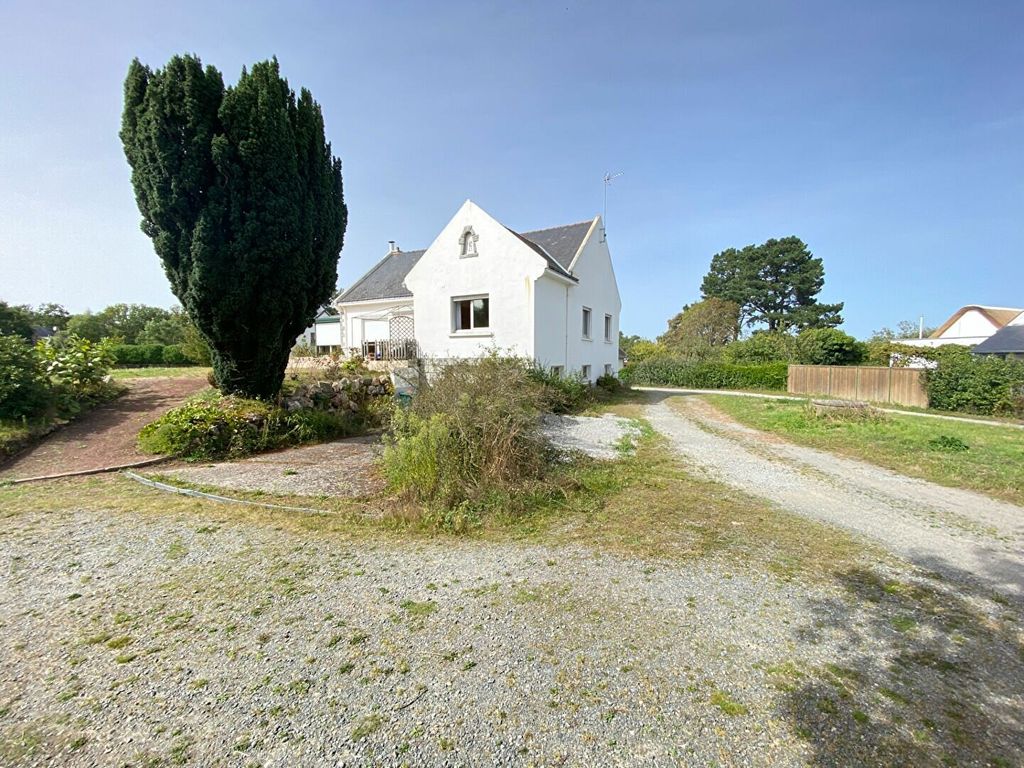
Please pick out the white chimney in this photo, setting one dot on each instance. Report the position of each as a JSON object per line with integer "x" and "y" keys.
{"x": 393, "y": 248}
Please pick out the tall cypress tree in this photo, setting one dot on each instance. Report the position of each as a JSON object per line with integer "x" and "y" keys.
{"x": 243, "y": 200}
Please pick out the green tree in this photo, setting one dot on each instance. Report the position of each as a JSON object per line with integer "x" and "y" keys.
{"x": 828, "y": 346}
{"x": 905, "y": 329}
{"x": 701, "y": 329}
{"x": 775, "y": 284}
{"x": 626, "y": 342}
{"x": 165, "y": 330}
{"x": 50, "y": 315}
{"x": 89, "y": 325}
{"x": 15, "y": 321}
{"x": 243, "y": 200}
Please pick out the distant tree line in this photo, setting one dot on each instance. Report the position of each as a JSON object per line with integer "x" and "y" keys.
{"x": 124, "y": 325}
{"x": 759, "y": 304}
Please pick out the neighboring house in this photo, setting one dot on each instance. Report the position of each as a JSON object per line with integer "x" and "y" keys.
{"x": 968, "y": 326}
{"x": 549, "y": 295}
{"x": 325, "y": 334}
{"x": 1008, "y": 341}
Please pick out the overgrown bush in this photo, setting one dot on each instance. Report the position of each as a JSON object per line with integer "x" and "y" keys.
{"x": 668, "y": 372}
{"x": 608, "y": 383}
{"x": 965, "y": 382}
{"x": 78, "y": 369}
{"x": 24, "y": 388}
{"x": 562, "y": 393}
{"x": 828, "y": 346}
{"x": 471, "y": 439}
{"x": 232, "y": 427}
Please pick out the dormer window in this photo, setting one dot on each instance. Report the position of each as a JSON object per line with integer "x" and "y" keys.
{"x": 467, "y": 243}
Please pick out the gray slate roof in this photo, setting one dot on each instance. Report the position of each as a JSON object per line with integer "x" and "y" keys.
{"x": 386, "y": 280}
{"x": 1009, "y": 338}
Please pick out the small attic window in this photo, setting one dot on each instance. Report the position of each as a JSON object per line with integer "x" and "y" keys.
{"x": 467, "y": 243}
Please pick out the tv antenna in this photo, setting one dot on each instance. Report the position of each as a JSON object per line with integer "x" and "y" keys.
{"x": 608, "y": 178}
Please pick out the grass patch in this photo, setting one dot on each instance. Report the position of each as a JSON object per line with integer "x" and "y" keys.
{"x": 418, "y": 609}
{"x": 727, "y": 704}
{"x": 160, "y": 372}
{"x": 931, "y": 449}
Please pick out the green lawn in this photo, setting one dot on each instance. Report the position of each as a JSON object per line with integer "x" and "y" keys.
{"x": 993, "y": 462}
{"x": 193, "y": 371}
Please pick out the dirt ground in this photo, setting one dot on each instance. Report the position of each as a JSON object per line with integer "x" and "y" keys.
{"x": 339, "y": 468}
{"x": 106, "y": 436}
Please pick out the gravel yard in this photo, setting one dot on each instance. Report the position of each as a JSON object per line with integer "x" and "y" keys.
{"x": 188, "y": 633}
{"x": 598, "y": 436}
{"x": 341, "y": 468}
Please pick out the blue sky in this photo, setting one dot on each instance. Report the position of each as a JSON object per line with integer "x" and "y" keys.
{"x": 888, "y": 135}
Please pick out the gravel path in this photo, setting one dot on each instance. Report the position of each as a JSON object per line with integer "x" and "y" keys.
{"x": 955, "y": 532}
{"x": 597, "y": 436}
{"x": 181, "y": 635}
{"x": 338, "y": 468}
{"x": 105, "y": 437}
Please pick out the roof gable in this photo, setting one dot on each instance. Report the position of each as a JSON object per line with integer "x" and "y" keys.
{"x": 998, "y": 316}
{"x": 558, "y": 246}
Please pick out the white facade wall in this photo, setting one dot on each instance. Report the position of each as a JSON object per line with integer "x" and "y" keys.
{"x": 598, "y": 291}
{"x": 551, "y": 302}
{"x": 504, "y": 270}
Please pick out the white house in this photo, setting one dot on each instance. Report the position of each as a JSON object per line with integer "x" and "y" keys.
{"x": 968, "y": 326}
{"x": 549, "y": 295}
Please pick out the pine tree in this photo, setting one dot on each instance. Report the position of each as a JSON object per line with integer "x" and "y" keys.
{"x": 243, "y": 199}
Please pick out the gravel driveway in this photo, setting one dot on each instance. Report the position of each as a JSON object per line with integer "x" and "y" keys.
{"x": 954, "y": 532}
{"x": 179, "y": 634}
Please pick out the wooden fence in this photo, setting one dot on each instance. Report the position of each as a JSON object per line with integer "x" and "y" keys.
{"x": 901, "y": 386}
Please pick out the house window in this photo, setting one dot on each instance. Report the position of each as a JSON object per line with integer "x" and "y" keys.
{"x": 467, "y": 243}
{"x": 471, "y": 314}
{"x": 557, "y": 370}
{"x": 586, "y": 373}
{"x": 607, "y": 369}
{"x": 586, "y": 322}
{"x": 607, "y": 327}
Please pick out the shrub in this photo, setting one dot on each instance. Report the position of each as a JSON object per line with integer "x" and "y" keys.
{"x": 668, "y": 372}
{"x": 24, "y": 388}
{"x": 561, "y": 393}
{"x": 608, "y": 383}
{"x": 962, "y": 381}
{"x": 137, "y": 355}
{"x": 78, "y": 369}
{"x": 471, "y": 439}
{"x": 231, "y": 427}
{"x": 762, "y": 347}
{"x": 827, "y": 346}
{"x": 174, "y": 354}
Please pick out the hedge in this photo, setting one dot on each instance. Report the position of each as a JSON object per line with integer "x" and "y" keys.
{"x": 965, "y": 382}
{"x": 138, "y": 355}
{"x": 668, "y": 372}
